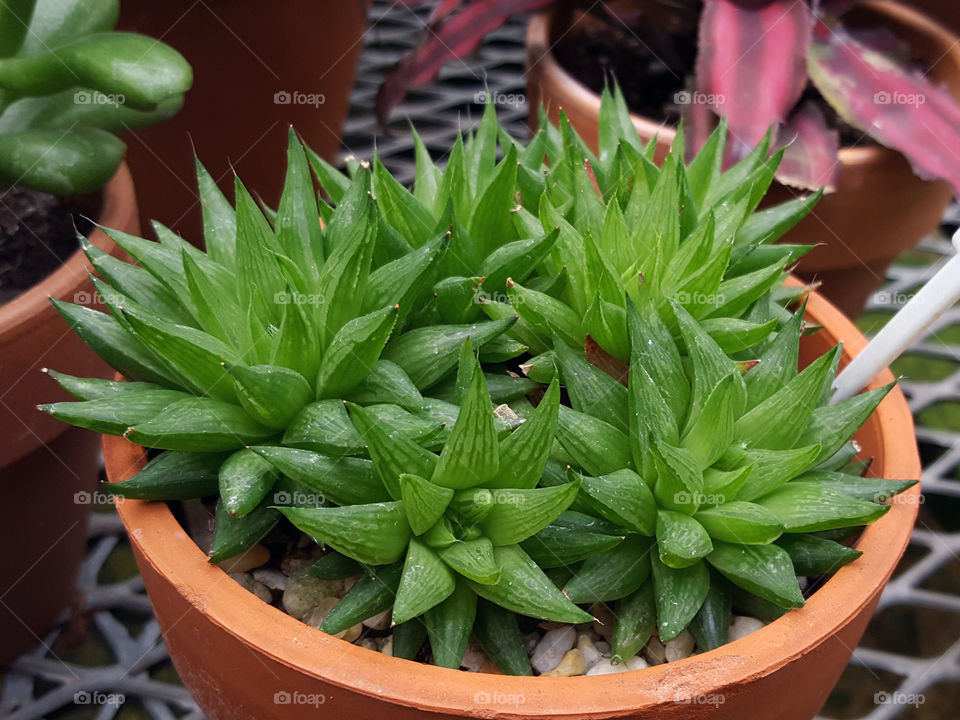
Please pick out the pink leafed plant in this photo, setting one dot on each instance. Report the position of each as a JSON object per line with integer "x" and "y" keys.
{"x": 756, "y": 61}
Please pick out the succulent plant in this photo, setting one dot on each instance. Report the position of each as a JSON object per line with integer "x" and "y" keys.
{"x": 558, "y": 234}
{"x": 68, "y": 84}
{"x": 733, "y": 469}
{"x": 340, "y": 375}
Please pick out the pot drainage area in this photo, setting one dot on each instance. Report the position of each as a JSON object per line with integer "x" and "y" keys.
{"x": 108, "y": 660}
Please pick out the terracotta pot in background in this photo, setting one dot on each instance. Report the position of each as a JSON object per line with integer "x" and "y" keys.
{"x": 44, "y": 463}
{"x": 880, "y": 207}
{"x": 279, "y": 667}
{"x": 255, "y": 67}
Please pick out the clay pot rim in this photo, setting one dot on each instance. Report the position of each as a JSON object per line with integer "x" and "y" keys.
{"x": 539, "y": 49}
{"x": 118, "y": 195}
{"x": 172, "y": 554}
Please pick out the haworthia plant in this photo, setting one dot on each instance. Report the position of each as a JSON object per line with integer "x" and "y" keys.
{"x": 664, "y": 453}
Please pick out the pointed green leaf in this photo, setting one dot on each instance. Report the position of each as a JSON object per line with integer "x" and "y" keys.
{"x": 272, "y": 395}
{"x": 681, "y": 540}
{"x": 423, "y": 501}
{"x": 245, "y": 479}
{"x": 473, "y": 559}
{"x": 613, "y": 574}
{"x": 449, "y": 625}
{"x": 764, "y": 570}
{"x": 809, "y": 507}
{"x": 624, "y": 498}
{"x": 636, "y": 617}
{"x": 518, "y": 514}
{"x": 740, "y": 522}
{"x": 345, "y": 481}
{"x": 426, "y": 582}
{"x": 199, "y": 424}
{"x": 353, "y": 352}
{"x": 524, "y": 589}
{"x": 376, "y": 534}
{"x": 524, "y": 452}
{"x": 679, "y": 594}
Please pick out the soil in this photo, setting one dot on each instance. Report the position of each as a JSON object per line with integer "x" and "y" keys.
{"x": 650, "y": 48}
{"x": 37, "y": 234}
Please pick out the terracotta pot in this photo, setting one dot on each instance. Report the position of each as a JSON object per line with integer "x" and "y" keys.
{"x": 243, "y": 659}
{"x": 946, "y": 12}
{"x": 248, "y": 57}
{"x": 880, "y": 207}
{"x": 43, "y": 462}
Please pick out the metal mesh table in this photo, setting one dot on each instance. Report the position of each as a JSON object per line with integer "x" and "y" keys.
{"x": 908, "y": 665}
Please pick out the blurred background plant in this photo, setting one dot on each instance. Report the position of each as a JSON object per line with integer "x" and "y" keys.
{"x": 68, "y": 84}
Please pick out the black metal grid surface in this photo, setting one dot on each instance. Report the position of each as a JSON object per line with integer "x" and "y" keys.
{"x": 909, "y": 663}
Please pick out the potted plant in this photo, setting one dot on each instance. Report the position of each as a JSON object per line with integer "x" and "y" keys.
{"x": 68, "y": 85}
{"x": 297, "y": 63}
{"x": 707, "y": 479}
{"x": 814, "y": 74}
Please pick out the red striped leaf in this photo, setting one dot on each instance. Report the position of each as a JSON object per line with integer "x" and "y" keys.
{"x": 811, "y": 159}
{"x": 894, "y": 104}
{"x": 752, "y": 64}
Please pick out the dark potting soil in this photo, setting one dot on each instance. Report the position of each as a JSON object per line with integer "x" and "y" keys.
{"x": 651, "y": 52}
{"x": 37, "y": 235}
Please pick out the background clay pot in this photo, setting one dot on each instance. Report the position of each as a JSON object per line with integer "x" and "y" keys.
{"x": 248, "y": 58}
{"x": 44, "y": 463}
{"x": 243, "y": 659}
{"x": 879, "y": 209}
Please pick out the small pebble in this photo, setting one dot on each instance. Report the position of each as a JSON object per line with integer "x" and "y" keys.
{"x": 368, "y": 643}
{"x": 380, "y": 621}
{"x": 603, "y": 625}
{"x": 603, "y": 647}
{"x": 305, "y": 592}
{"x": 743, "y": 626}
{"x": 605, "y": 667}
{"x": 199, "y": 522}
{"x": 257, "y": 588}
{"x": 271, "y": 577}
{"x": 591, "y": 655}
{"x": 654, "y": 651}
{"x": 680, "y": 647}
{"x": 387, "y": 647}
{"x": 530, "y": 641}
{"x": 572, "y": 664}
{"x": 803, "y": 582}
{"x": 552, "y": 647}
{"x": 473, "y": 657}
{"x": 636, "y": 663}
